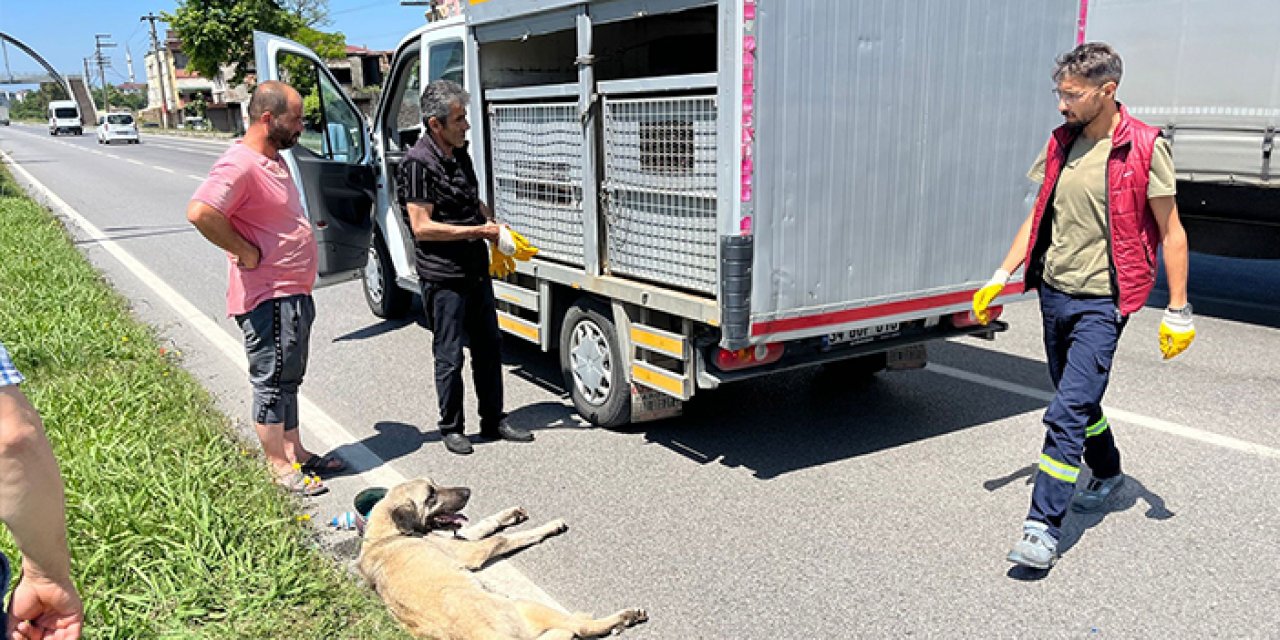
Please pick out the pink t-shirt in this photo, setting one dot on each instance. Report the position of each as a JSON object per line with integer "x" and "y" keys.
{"x": 258, "y": 196}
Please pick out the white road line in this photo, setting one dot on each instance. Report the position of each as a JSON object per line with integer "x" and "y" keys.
{"x": 164, "y": 169}
{"x": 377, "y": 471}
{"x": 195, "y": 177}
{"x": 1128, "y": 417}
{"x": 137, "y": 162}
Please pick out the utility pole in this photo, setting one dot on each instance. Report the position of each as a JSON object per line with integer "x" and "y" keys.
{"x": 162, "y": 69}
{"x": 103, "y": 63}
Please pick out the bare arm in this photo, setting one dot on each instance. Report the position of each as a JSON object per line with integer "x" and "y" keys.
{"x": 45, "y": 602}
{"x": 31, "y": 498}
{"x": 1018, "y": 250}
{"x": 215, "y": 227}
{"x": 1174, "y": 239}
{"x": 424, "y": 228}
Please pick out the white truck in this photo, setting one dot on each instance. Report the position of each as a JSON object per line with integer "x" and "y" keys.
{"x": 1208, "y": 73}
{"x": 64, "y": 117}
{"x": 719, "y": 189}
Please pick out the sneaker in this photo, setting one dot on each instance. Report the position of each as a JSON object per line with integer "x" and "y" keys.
{"x": 1095, "y": 494}
{"x": 456, "y": 443}
{"x": 1037, "y": 549}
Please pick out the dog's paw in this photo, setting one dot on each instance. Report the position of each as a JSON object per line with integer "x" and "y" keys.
{"x": 514, "y": 516}
{"x": 557, "y": 527}
{"x": 630, "y": 618}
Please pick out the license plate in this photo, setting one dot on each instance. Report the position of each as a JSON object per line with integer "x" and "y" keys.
{"x": 648, "y": 405}
{"x": 864, "y": 334}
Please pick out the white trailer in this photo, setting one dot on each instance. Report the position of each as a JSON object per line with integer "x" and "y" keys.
{"x": 728, "y": 189}
{"x": 1208, "y": 73}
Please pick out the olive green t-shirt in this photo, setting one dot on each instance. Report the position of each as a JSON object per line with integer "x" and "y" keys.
{"x": 1076, "y": 261}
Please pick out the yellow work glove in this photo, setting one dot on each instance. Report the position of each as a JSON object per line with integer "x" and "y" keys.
{"x": 500, "y": 265}
{"x": 983, "y": 297}
{"x": 524, "y": 250}
{"x": 1176, "y": 331}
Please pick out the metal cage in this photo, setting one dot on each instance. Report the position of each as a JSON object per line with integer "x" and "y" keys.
{"x": 659, "y": 189}
{"x": 537, "y": 175}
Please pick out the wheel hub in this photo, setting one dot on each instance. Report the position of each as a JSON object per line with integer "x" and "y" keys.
{"x": 590, "y": 363}
{"x": 373, "y": 276}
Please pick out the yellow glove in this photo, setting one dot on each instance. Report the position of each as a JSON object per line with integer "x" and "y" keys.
{"x": 983, "y": 297}
{"x": 1176, "y": 331}
{"x": 524, "y": 250}
{"x": 500, "y": 265}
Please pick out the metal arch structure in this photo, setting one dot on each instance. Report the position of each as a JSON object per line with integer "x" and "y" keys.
{"x": 66, "y": 86}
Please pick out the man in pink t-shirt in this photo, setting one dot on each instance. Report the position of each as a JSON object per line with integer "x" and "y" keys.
{"x": 250, "y": 208}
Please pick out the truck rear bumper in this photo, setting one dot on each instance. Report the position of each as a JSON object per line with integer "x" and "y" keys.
{"x": 810, "y": 352}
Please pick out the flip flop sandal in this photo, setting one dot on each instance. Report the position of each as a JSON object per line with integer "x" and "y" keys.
{"x": 301, "y": 484}
{"x": 320, "y": 465}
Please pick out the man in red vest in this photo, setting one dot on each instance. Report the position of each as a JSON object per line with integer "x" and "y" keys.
{"x": 1106, "y": 202}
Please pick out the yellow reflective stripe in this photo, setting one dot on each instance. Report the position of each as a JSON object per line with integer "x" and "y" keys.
{"x": 1059, "y": 470}
{"x": 1097, "y": 427}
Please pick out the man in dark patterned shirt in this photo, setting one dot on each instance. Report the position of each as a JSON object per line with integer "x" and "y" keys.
{"x": 437, "y": 189}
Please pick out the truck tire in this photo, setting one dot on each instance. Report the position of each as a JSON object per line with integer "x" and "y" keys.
{"x": 593, "y": 367}
{"x": 384, "y": 296}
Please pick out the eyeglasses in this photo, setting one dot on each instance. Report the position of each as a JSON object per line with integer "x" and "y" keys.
{"x": 1072, "y": 98}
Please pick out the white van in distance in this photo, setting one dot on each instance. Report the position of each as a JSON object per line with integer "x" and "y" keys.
{"x": 64, "y": 117}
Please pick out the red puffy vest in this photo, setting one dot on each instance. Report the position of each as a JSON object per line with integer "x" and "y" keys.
{"x": 1133, "y": 235}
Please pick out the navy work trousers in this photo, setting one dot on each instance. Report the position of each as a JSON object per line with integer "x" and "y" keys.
{"x": 1080, "y": 337}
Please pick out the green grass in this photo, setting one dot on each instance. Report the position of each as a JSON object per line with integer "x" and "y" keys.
{"x": 175, "y": 529}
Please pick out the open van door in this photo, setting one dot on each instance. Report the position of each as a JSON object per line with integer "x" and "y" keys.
{"x": 333, "y": 161}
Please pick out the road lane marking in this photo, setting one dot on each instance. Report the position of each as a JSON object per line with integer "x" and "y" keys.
{"x": 164, "y": 169}
{"x": 195, "y": 177}
{"x": 376, "y": 472}
{"x": 1128, "y": 417}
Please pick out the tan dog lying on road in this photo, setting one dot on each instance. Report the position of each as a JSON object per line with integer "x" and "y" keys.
{"x": 425, "y": 577}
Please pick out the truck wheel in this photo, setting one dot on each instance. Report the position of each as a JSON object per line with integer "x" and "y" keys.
{"x": 385, "y": 297}
{"x": 593, "y": 366}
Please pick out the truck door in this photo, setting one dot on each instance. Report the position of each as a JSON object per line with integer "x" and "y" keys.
{"x": 333, "y": 161}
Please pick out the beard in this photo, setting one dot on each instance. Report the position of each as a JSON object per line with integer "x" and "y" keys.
{"x": 282, "y": 138}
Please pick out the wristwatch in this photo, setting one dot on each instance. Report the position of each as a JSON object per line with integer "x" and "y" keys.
{"x": 1183, "y": 312}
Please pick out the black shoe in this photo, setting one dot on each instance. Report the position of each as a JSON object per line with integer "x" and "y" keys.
{"x": 456, "y": 443}
{"x": 507, "y": 431}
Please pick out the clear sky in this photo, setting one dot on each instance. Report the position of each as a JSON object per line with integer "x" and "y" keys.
{"x": 62, "y": 30}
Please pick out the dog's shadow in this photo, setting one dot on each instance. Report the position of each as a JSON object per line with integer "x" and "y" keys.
{"x": 1076, "y": 524}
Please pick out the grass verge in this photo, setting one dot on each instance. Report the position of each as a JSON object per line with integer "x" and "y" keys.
{"x": 176, "y": 530}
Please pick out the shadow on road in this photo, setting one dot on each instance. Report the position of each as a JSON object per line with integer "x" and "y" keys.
{"x": 132, "y": 233}
{"x": 1076, "y": 524}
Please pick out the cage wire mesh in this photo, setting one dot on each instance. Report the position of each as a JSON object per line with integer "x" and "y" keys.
{"x": 660, "y": 189}
{"x": 537, "y": 168}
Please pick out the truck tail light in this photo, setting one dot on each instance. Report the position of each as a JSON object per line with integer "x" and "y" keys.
{"x": 761, "y": 354}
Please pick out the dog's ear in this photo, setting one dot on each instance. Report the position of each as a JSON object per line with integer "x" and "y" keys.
{"x": 405, "y": 517}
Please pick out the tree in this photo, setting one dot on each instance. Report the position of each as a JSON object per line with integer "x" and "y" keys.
{"x": 312, "y": 13}
{"x": 217, "y": 32}
{"x": 35, "y": 105}
{"x": 121, "y": 101}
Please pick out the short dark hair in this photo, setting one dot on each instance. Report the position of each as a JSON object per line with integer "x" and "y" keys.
{"x": 1095, "y": 62}
{"x": 438, "y": 97}
{"x": 271, "y": 96}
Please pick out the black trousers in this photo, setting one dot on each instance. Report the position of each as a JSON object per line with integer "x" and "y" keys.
{"x": 458, "y": 313}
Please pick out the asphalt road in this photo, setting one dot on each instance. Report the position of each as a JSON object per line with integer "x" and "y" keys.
{"x": 799, "y": 505}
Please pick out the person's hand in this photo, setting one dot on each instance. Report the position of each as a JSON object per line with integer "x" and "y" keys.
{"x": 1177, "y": 330}
{"x": 249, "y": 260}
{"x": 44, "y": 609}
{"x": 489, "y": 231}
{"x": 983, "y": 297}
